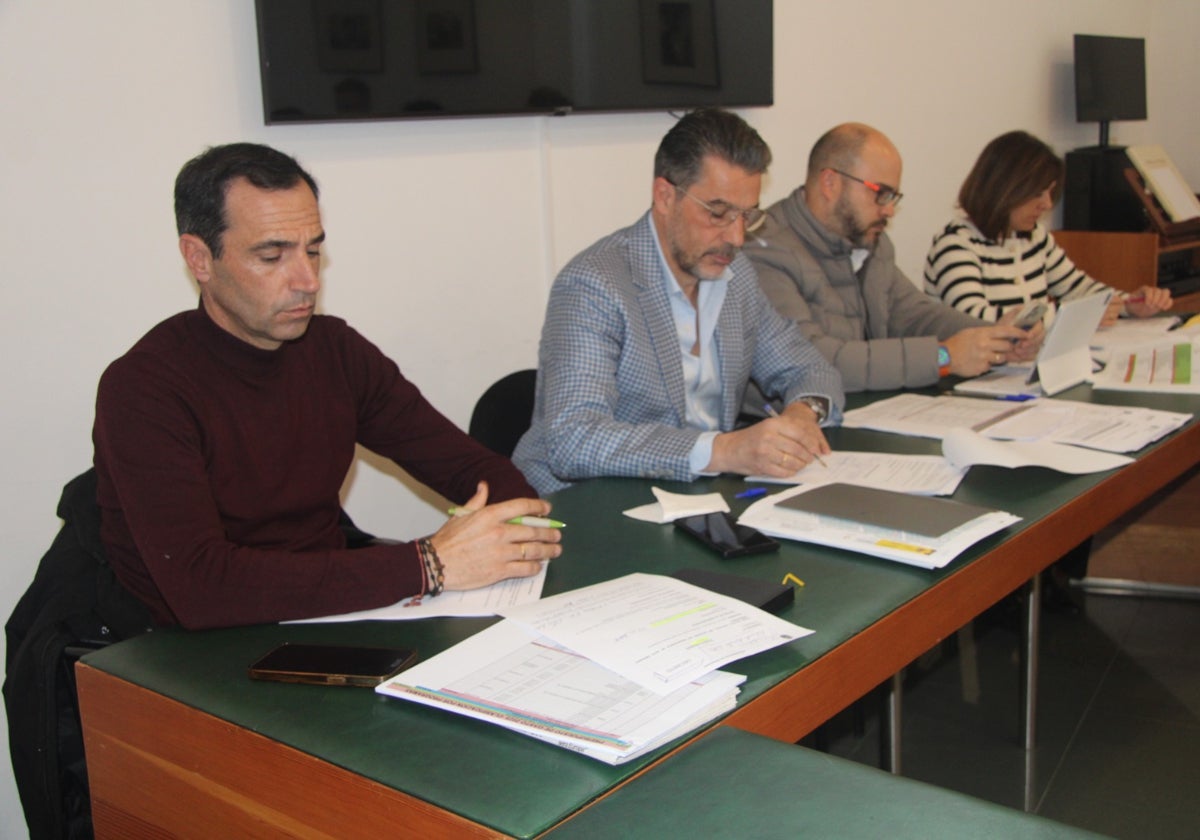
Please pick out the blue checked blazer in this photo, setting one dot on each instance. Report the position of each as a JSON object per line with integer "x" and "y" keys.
{"x": 610, "y": 391}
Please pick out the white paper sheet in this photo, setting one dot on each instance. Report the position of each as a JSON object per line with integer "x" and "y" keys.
{"x": 1112, "y": 428}
{"x": 1133, "y": 332}
{"x": 925, "y": 475}
{"x": 487, "y": 600}
{"x": 919, "y": 415}
{"x": 657, "y": 631}
{"x": 966, "y": 448}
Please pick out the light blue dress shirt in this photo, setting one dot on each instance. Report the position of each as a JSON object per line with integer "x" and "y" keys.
{"x": 702, "y": 373}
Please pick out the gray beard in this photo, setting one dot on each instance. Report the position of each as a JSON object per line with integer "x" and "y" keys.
{"x": 690, "y": 266}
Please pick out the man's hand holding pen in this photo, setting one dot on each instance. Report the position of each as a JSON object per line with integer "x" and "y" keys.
{"x": 480, "y": 544}
{"x": 778, "y": 446}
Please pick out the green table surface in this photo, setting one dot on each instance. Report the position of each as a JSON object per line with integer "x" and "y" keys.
{"x": 472, "y": 768}
{"x": 734, "y": 784}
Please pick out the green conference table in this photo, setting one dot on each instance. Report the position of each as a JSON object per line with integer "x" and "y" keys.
{"x": 174, "y": 728}
{"x": 732, "y": 784}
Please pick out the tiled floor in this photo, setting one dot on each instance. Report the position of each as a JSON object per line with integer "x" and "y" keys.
{"x": 1118, "y": 717}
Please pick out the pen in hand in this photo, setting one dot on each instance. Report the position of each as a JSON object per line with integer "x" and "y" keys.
{"x": 770, "y": 409}
{"x": 531, "y": 521}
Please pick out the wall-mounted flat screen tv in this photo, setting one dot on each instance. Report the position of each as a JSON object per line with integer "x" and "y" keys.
{"x": 1110, "y": 80}
{"x": 335, "y": 60}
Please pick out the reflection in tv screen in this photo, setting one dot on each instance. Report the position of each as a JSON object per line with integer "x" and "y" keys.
{"x": 333, "y": 60}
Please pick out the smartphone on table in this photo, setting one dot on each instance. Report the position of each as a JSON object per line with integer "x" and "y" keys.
{"x": 721, "y": 533}
{"x": 332, "y": 664}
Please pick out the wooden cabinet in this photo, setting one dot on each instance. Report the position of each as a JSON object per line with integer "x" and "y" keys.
{"x": 1128, "y": 260}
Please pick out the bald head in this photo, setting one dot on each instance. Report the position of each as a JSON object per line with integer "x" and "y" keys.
{"x": 849, "y": 168}
{"x": 843, "y": 146}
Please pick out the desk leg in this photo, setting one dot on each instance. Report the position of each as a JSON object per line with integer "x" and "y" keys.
{"x": 895, "y": 694}
{"x": 1137, "y": 588}
{"x": 1033, "y": 616}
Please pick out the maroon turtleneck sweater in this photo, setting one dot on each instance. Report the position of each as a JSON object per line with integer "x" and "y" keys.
{"x": 219, "y": 466}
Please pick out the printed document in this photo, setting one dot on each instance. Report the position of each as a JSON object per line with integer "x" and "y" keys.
{"x": 1162, "y": 368}
{"x": 924, "y": 475}
{"x": 1111, "y": 428}
{"x": 657, "y": 631}
{"x": 508, "y": 676}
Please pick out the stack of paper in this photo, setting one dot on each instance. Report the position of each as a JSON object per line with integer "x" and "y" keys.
{"x": 611, "y": 671}
{"x": 916, "y": 530}
{"x": 1111, "y": 428}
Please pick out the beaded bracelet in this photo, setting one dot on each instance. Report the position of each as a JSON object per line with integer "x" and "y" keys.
{"x": 435, "y": 572}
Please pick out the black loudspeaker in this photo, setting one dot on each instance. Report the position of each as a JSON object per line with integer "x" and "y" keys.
{"x": 1096, "y": 195}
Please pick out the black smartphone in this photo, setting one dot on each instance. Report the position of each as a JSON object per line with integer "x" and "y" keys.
{"x": 332, "y": 664}
{"x": 723, "y": 535}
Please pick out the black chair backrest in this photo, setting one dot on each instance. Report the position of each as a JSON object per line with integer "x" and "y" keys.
{"x": 504, "y": 412}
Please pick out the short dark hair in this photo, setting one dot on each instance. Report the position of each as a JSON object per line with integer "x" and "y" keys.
{"x": 839, "y": 148}
{"x": 704, "y": 132}
{"x": 1011, "y": 169}
{"x": 203, "y": 181}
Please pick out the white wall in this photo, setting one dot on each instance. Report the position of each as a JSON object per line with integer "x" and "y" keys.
{"x": 444, "y": 235}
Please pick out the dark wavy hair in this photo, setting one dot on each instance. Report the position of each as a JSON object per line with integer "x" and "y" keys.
{"x": 203, "y": 181}
{"x": 709, "y": 131}
{"x": 1011, "y": 169}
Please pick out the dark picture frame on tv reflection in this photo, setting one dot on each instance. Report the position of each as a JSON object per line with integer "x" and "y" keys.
{"x": 679, "y": 42}
{"x": 348, "y": 60}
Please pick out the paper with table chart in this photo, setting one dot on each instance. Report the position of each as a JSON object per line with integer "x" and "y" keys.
{"x": 663, "y": 637}
{"x": 925, "y": 475}
{"x": 657, "y": 631}
{"x": 487, "y": 600}
{"x": 511, "y": 677}
{"x": 1165, "y": 367}
{"x": 914, "y": 549}
{"x": 1108, "y": 427}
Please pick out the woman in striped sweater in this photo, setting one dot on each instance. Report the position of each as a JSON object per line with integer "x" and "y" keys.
{"x": 996, "y": 255}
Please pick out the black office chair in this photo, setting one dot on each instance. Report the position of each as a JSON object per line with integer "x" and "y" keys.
{"x": 504, "y": 412}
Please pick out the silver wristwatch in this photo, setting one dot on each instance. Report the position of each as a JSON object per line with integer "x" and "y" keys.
{"x": 819, "y": 406}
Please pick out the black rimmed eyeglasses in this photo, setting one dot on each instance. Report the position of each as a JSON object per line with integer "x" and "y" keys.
{"x": 721, "y": 214}
{"x": 884, "y": 195}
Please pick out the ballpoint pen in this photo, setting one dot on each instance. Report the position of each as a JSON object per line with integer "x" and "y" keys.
{"x": 770, "y": 409}
{"x": 753, "y": 492}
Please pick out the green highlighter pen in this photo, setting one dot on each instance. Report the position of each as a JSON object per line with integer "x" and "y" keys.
{"x": 531, "y": 521}
{"x": 536, "y": 522}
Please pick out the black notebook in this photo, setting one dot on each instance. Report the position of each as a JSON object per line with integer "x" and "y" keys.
{"x": 763, "y": 594}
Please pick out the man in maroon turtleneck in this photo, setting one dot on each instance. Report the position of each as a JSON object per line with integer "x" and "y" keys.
{"x": 224, "y": 435}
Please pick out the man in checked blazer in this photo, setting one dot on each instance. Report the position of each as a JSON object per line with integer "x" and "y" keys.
{"x": 652, "y": 334}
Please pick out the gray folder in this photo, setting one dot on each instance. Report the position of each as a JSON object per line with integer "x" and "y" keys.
{"x": 888, "y": 509}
